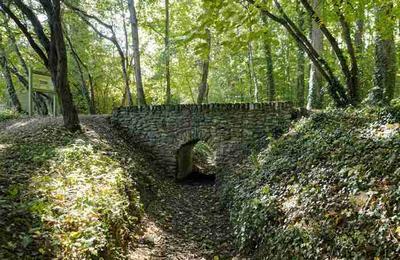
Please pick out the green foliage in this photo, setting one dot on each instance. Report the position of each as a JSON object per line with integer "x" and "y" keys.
{"x": 8, "y": 115}
{"x": 203, "y": 155}
{"x": 234, "y": 26}
{"x": 65, "y": 196}
{"x": 327, "y": 189}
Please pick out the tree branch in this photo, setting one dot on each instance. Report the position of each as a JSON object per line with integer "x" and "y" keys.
{"x": 353, "y": 91}
{"x": 83, "y": 13}
{"x": 335, "y": 88}
{"x": 329, "y": 37}
{"x": 37, "y": 26}
{"x": 27, "y": 34}
{"x": 11, "y": 36}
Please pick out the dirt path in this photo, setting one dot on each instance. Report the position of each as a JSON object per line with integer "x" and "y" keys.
{"x": 185, "y": 221}
{"x": 182, "y": 220}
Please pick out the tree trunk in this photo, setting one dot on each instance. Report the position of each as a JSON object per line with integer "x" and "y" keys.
{"x": 58, "y": 67}
{"x": 385, "y": 56}
{"x": 84, "y": 88}
{"x": 350, "y": 76}
{"x": 335, "y": 88}
{"x": 288, "y": 75}
{"x": 359, "y": 44}
{"x": 136, "y": 54}
{"x": 127, "y": 97}
{"x": 126, "y": 37}
{"x": 204, "y": 78}
{"x": 16, "y": 105}
{"x": 253, "y": 76}
{"x": 270, "y": 81}
{"x": 167, "y": 54}
{"x": 359, "y": 37}
{"x": 315, "y": 82}
{"x": 52, "y": 52}
{"x": 40, "y": 103}
{"x": 127, "y": 91}
{"x": 113, "y": 39}
{"x": 300, "y": 84}
{"x": 353, "y": 80}
{"x": 92, "y": 94}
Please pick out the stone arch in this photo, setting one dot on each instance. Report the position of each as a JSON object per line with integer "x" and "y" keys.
{"x": 184, "y": 150}
{"x": 230, "y": 129}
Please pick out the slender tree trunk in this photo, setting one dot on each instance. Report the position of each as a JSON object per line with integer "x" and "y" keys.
{"x": 40, "y": 102}
{"x": 359, "y": 36}
{"x": 385, "y": 56}
{"x": 335, "y": 88}
{"x": 270, "y": 71}
{"x": 300, "y": 84}
{"x": 288, "y": 63}
{"x": 127, "y": 92}
{"x": 84, "y": 88}
{"x": 270, "y": 81}
{"x": 92, "y": 93}
{"x": 113, "y": 39}
{"x": 314, "y": 100}
{"x": 204, "y": 78}
{"x": 16, "y": 105}
{"x": 350, "y": 76}
{"x": 127, "y": 97}
{"x": 353, "y": 80}
{"x": 253, "y": 76}
{"x": 126, "y": 37}
{"x": 136, "y": 53}
{"x": 359, "y": 44}
{"x": 167, "y": 54}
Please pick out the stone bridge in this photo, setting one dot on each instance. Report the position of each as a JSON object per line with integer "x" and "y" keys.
{"x": 170, "y": 132}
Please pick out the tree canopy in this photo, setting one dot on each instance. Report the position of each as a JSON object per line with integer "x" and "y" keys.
{"x": 168, "y": 52}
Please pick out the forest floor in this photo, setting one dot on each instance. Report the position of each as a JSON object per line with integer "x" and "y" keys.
{"x": 185, "y": 221}
{"x": 181, "y": 220}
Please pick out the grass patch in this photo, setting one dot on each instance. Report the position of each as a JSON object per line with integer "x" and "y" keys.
{"x": 327, "y": 189}
{"x": 65, "y": 195}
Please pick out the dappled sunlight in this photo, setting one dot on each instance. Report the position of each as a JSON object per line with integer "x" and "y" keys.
{"x": 28, "y": 125}
{"x": 290, "y": 203}
{"x": 75, "y": 197}
{"x": 331, "y": 184}
{"x": 80, "y": 184}
{"x": 4, "y": 146}
{"x": 156, "y": 242}
{"x": 20, "y": 124}
{"x": 380, "y": 132}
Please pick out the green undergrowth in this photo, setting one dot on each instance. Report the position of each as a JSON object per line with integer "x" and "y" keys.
{"x": 327, "y": 189}
{"x": 65, "y": 196}
{"x": 8, "y": 115}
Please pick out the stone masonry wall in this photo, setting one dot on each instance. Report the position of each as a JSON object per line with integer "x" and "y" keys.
{"x": 230, "y": 129}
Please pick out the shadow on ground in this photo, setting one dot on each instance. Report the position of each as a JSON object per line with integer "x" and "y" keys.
{"x": 181, "y": 220}
{"x": 24, "y": 151}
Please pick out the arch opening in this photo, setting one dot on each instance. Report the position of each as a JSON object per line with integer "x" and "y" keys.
{"x": 196, "y": 162}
